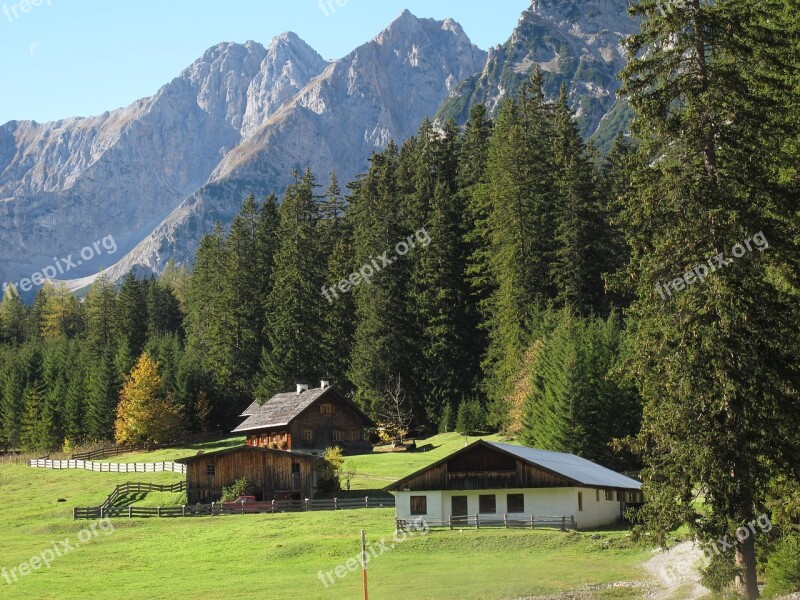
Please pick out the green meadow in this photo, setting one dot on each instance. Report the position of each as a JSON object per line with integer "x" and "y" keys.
{"x": 283, "y": 555}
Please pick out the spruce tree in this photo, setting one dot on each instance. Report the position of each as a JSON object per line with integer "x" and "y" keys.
{"x": 295, "y": 303}
{"x": 715, "y": 358}
{"x": 521, "y": 223}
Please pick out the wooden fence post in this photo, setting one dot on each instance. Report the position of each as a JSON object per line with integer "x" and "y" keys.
{"x": 74, "y": 513}
{"x": 563, "y": 522}
{"x": 477, "y": 521}
{"x": 573, "y": 522}
{"x": 366, "y": 501}
{"x": 130, "y": 512}
{"x": 450, "y": 521}
{"x": 101, "y": 512}
{"x": 505, "y": 520}
{"x": 335, "y": 504}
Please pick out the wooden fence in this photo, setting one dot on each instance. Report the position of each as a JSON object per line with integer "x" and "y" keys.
{"x": 158, "y": 467}
{"x": 116, "y": 450}
{"x": 508, "y": 521}
{"x": 216, "y": 508}
{"x": 138, "y": 488}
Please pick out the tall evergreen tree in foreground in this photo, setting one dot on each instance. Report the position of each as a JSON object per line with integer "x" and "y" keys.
{"x": 716, "y": 363}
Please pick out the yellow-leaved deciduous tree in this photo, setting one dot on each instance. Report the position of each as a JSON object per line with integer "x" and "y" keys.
{"x": 146, "y": 413}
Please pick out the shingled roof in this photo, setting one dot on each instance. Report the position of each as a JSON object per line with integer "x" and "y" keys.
{"x": 282, "y": 409}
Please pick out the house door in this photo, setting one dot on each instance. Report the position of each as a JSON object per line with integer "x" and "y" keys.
{"x": 458, "y": 509}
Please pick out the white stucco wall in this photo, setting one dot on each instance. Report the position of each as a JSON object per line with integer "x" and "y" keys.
{"x": 539, "y": 502}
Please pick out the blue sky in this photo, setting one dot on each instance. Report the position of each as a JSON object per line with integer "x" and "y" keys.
{"x": 64, "y": 58}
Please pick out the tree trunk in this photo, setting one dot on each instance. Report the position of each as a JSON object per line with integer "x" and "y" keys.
{"x": 747, "y": 581}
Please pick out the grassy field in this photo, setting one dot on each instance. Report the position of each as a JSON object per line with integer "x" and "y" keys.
{"x": 281, "y": 555}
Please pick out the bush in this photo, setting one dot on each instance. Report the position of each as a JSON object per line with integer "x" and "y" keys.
{"x": 238, "y": 488}
{"x": 783, "y": 567}
{"x": 329, "y": 480}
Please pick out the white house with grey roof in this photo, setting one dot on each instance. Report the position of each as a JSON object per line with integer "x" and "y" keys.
{"x": 494, "y": 480}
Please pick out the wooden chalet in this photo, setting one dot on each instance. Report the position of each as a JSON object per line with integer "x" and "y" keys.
{"x": 491, "y": 479}
{"x": 275, "y": 474}
{"x": 307, "y": 420}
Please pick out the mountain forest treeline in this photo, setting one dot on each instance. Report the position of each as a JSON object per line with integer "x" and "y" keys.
{"x": 536, "y": 305}
{"x": 518, "y": 218}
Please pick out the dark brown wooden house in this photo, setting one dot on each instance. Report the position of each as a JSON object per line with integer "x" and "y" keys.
{"x": 275, "y": 474}
{"x": 307, "y": 421}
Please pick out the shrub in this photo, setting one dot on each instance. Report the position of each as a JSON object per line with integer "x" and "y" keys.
{"x": 238, "y": 488}
{"x": 329, "y": 480}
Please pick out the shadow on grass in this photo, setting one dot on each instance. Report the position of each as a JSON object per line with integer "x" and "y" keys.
{"x": 225, "y": 443}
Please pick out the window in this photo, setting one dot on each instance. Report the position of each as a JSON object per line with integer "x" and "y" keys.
{"x": 487, "y": 504}
{"x": 295, "y": 468}
{"x": 610, "y": 495}
{"x": 326, "y": 408}
{"x": 210, "y": 470}
{"x": 354, "y": 436}
{"x": 580, "y": 500}
{"x": 308, "y": 435}
{"x": 597, "y": 495}
{"x": 515, "y": 503}
{"x": 338, "y": 436}
{"x": 419, "y": 505}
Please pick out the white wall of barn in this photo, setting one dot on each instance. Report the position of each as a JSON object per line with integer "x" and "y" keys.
{"x": 551, "y": 502}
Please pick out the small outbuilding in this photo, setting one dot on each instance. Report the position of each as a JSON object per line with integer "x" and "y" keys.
{"x": 307, "y": 420}
{"x": 274, "y": 474}
{"x": 491, "y": 479}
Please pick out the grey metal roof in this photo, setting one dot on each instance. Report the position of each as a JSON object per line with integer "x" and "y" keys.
{"x": 280, "y": 410}
{"x": 574, "y": 468}
{"x": 570, "y": 466}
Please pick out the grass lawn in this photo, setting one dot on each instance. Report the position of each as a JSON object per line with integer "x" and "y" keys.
{"x": 170, "y": 454}
{"x": 281, "y": 555}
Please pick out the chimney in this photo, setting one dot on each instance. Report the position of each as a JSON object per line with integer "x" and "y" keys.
{"x": 325, "y": 383}
{"x": 302, "y": 387}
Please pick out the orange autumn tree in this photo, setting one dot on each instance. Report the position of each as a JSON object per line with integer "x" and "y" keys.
{"x": 146, "y": 413}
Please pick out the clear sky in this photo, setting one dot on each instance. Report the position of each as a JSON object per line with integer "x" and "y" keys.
{"x": 62, "y": 58}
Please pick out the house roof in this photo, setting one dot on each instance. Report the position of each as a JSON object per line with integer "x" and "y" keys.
{"x": 282, "y": 409}
{"x": 190, "y": 459}
{"x": 578, "y": 470}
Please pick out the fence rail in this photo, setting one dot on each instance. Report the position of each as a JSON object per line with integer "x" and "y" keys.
{"x": 116, "y": 450}
{"x": 138, "y": 488}
{"x": 158, "y": 467}
{"x": 508, "y": 521}
{"x": 216, "y": 508}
